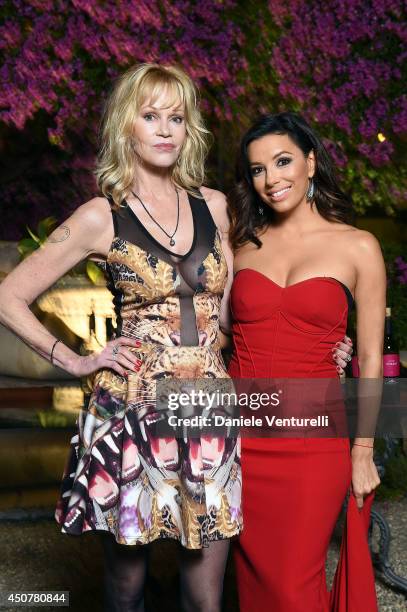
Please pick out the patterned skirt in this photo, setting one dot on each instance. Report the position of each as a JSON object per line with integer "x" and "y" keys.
{"x": 120, "y": 478}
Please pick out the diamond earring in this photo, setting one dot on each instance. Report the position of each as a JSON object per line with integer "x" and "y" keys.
{"x": 261, "y": 210}
{"x": 310, "y": 191}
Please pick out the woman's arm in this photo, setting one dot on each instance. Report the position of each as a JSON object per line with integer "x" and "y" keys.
{"x": 82, "y": 234}
{"x": 216, "y": 201}
{"x": 370, "y": 298}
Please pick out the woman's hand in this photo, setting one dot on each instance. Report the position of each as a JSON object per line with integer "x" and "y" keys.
{"x": 364, "y": 473}
{"x": 115, "y": 356}
{"x": 342, "y": 353}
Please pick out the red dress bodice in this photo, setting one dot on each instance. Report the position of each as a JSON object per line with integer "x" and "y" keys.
{"x": 286, "y": 331}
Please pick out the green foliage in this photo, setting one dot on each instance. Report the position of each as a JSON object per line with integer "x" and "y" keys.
{"x": 94, "y": 272}
{"x": 369, "y": 186}
{"x": 27, "y": 245}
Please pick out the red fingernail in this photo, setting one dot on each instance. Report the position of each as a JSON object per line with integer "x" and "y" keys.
{"x": 337, "y": 344}
{"x": 138, "y": 343}
{"x": 338, "y": 368}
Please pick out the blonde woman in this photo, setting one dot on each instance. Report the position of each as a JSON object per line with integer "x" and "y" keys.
{"x": 163, "y": 238}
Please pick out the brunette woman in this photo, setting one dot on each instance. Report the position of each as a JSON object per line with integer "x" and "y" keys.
{"x": 298, "y": 269}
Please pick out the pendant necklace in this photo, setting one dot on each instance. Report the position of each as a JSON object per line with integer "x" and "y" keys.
{"x": 170, "y": 236}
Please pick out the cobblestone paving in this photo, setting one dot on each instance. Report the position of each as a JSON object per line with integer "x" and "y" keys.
{"x": 36, "y": 556}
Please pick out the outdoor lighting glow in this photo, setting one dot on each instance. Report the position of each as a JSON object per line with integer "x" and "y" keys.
{"x": 72, "y": 304}
{"x": 381, "y": 137}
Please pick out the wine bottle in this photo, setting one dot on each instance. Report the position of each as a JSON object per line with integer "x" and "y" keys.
{"x": 391, "y": 358}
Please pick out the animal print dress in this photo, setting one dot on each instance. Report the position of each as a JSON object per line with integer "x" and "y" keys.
{"x": 117, "y": 477}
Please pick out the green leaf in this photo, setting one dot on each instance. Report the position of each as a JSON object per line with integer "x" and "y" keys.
{"x": 26, "y": 246}
{"x": 24, "y": 251}
{"x": 45, "y": 226}
{"x": 94, "y": 272}
{"x": 33, "y": 236}
{"x": 28, "y": 243}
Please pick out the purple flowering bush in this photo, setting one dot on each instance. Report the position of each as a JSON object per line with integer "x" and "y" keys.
{"x": 401, "y": 270}
{"x": 60, "y": 58}
{"x": 339, "y": 62}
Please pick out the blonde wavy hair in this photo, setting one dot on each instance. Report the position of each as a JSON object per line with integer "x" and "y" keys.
{"x": 117, "y": 161}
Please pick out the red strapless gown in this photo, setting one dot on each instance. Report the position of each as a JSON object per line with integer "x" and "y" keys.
{"x": 294, "y": 488}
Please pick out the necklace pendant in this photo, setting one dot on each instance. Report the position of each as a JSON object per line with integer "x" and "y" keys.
{"x": 172, "y": 242}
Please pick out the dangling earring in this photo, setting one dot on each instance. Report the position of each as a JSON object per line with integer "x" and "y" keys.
{"x": 310, "y": 191}
{"x": 261, "y": 210}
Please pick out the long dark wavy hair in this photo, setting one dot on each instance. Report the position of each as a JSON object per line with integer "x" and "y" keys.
{"x": 244, "y": 202}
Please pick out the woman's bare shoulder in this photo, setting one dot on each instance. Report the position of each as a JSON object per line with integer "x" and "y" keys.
{"x": 348, "y": 234}
{"x": 358, "y": 239}
{"x": 93, "y": 220}
{"x": 216, "y": 201}
{"x": 213, "y": 194}
{"x": 362, "y": 248}
{"x": 94, "y": 212}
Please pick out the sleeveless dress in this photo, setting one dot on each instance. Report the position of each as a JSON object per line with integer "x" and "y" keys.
{"x": 294, "y": 488}
{"x": 118, "y": 477}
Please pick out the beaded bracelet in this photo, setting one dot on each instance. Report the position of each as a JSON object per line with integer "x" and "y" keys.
{"x": 52, "y": 350}
{"x": 364, "y": 445}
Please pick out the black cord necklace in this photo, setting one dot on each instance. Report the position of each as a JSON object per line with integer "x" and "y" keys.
{"x": 170, "y": 236}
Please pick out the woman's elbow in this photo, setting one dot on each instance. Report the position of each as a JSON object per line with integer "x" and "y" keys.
{"x": 3, "y": 303}
{"x": 7, "y": 304}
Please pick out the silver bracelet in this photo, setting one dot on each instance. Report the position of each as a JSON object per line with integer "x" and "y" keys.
{"x": 52, "y": 350}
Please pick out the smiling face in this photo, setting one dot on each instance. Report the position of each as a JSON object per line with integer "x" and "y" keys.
{"x": 280, "y": 171}
{"x": 159, "y": 130}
